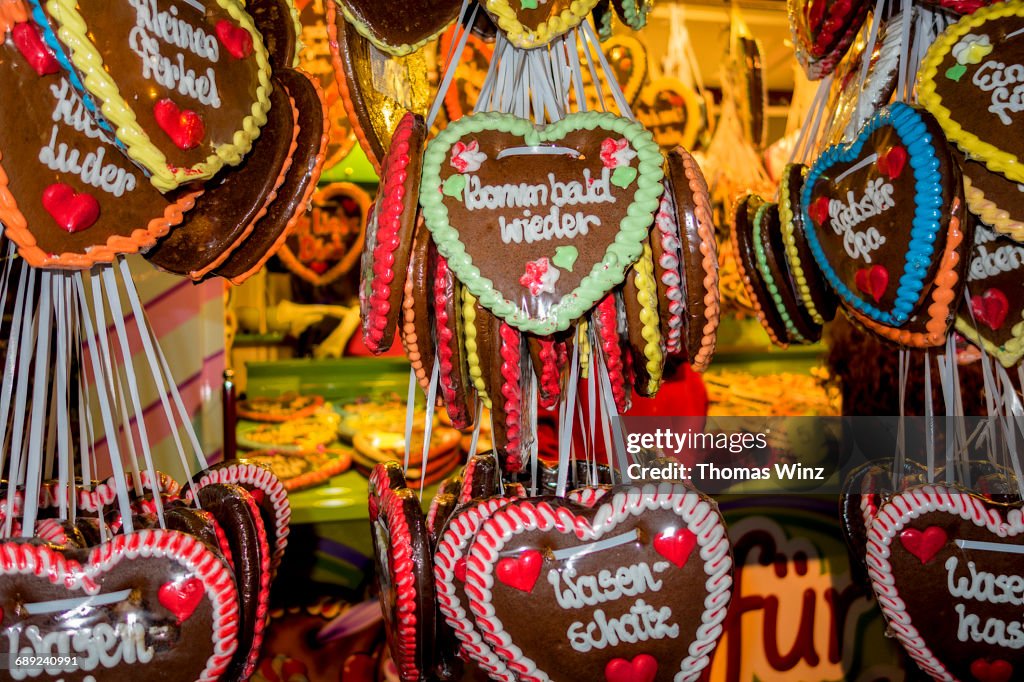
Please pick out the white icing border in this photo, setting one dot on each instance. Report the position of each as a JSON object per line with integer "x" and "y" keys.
{"x": 264, "y": 479}
{"x": 452, "y": 546}
{"x": 889, "y": 521}
{"x": 698, "y": 513}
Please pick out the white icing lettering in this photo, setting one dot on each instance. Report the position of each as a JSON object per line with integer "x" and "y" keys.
{"x": 846, "y": 216}
{"x": 1005, "y": 82}
{"x": 589, "y": 590}
{"x": 989, "y": 262}
{"x": 100, "y": 646}
{"x": 91, "y": 169}
{"x": 984, "y": 586}
{"x": 994, "y": 630}
{"x": 172, "y": 73}
{"x": 174, "y": 31}
{"x": 641, "y": 623}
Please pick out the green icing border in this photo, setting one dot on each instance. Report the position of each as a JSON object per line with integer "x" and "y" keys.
{"x": 761, "y": 258}
{"x": 634, "y": 13}
{"x": 621, "y": 253}
{"x": 796, "y": 266}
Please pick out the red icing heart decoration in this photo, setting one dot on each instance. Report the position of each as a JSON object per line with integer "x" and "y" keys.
{"x": 991, "y": 308}
{"x": 460, "y": 570}
{"x": 642, "y": 668}
{"x": 992, "y": 671}
{"x": 522, "y": 572}
{"x": 236, "y": 39}
{"x": 181, "y": 599}
{"x": 184, "y": 126}
{"x": 28, "y": 41}
{"x": 872, "y": 281}
{"x": 819, "y": 210}
{"x": 892, "y": 162}
{"x": 924, "y": 545}
{"x": 73, "y": 211}
{"x": 676, "y": 546}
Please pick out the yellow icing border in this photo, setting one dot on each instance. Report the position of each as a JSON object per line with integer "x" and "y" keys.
{"x": 74, "y": 34}
{"x": 297, "y": 25}
{"x": 394, "y": 50}
{"x": 996, "y": 159}
{"x": 997, "y": 218}
{"x": 647, "y": 297}
{"x": 1009, "y": 354}
{"x": 520, "y": 36}
{"x": 469, "y": 344}
{"x": 796, "y": 268}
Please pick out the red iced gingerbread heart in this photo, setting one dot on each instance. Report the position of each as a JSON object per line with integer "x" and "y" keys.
{"x": 992, "y": 671}
{"x": 872, "y": 281}
{"x": 991, "y": 308}
{"x": 236, "y": 40}
{"x": 924, "y": 545}
{"x": 73, "y": 211}
{"x": 521, "y": 572}
{"x": 184, "y": 126}
{"x": 642, "y": 668}
{"x": 891, "y": 163}
{"x": 28, "y": 41}
{"x": 676, "y": 546}
{"x": 181, "y": 599}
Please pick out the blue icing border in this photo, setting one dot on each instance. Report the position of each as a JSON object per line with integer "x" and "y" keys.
{"x": 913, "y": 133}
{"x": 50, "y": 38}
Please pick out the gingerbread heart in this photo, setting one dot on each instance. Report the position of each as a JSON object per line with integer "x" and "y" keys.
{"x": 68, "y": 198}
{"x": 744, "y": 217}
{"x": 377, "y": 88}
{"x": 232, "y": 205}
{"x": 856, "y": 214}
{"x": 293, "y": 195}
{"x": 810, "y": 285}
{"x": 627, "y": 58}
{"x": 588, "y": 184}
{"x": 204, "y": 103}
{"x": 994, "y": 317}
{"x": 533, "y": 23}
{"x": 608, "y": 577}
{"x": 966, "y": 81}
{"x": 389, "y": 235}
{"x": 672, "y": 111}
{"x": 940, "y": 561}
{"x": 279, "y": 23}
{"x": 314, "y": 58}
{"x": 997, "y": 201}
{"x": 326, "y": 242}
{"x": 400, "y": 31}
{"x": 401, "y": 549}
{"x": 823, "y": 30}
{"x": 416, "y": 330}
{"x": 469, "y": 75}
{"x": 157, "y": 603}
{"x": 454, "y": 383}
{"x": 609, "y": 320}
{"x": 643, "y": 329}
{"x": 268, "y": 493}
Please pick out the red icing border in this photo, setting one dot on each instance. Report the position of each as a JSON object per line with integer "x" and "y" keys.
{"x": 606, "y": 317}
{"x": 447, "y": 347}
{"x": 389, "y": 219}
{"x": 511, "y": 390}
{"x": 552, "y": 357}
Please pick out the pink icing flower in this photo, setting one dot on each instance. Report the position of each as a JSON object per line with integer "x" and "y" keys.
{"x": 540, "y": 277}
{"x": 615, "y": 153}
{"x": 466, "y": 158}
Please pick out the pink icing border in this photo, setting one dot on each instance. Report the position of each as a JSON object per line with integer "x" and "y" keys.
{"x": 606, "y": 316}
{"x": 671, "y": 275}
{"x": 518, "y": 516}
{"x": 891, "y": 518}
{"x": 43, "y": 562}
